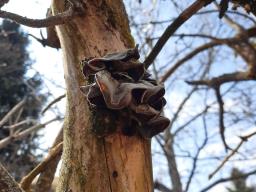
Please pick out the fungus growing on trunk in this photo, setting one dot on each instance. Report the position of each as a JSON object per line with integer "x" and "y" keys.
{"x": 121, "y": 83}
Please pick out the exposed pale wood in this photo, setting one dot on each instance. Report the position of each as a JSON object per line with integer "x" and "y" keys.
{"x": 116, "y": 163}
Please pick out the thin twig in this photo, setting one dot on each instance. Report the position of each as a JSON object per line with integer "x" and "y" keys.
{"x": 21, "y": 123}
{"x": 181, "y": 106}
{"x": 45, "y": 41}
{"x": 233, "y": 152}
{"x": 27, "y": 180}
{"x": 180, "y": 128}
{"x": 228, "y": 179}
{"x": 186, "y": 58}
{"x": 221, "y": 116}
{"x": 58, "y": 19}
{"x": 229, "y": 21}
{"x": 225, "y": 78}
{"x": 246, "y": 16}
{"x": 231, "y": 42}
{"x": 7, "y": 183}
{"x": 196, "y": 157}
{"x": 182, "y": 18}
{"x": 12, "y": 112}
{"x": 18, "y": 136}
{"x": 53, "y": 102}
{"x": 46, "y": 177}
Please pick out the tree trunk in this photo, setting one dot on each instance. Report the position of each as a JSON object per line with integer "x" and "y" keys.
{"x": 115, "y": 163}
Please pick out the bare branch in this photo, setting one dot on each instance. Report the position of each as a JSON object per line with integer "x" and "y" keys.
{"x": 188, "y": 57}
{"x": 182, "y": 35}
{"x": 46, "y": 42}
{"x": 195, "y": 158}
{"x": 21, "y": 135}
{"x": 172, "y": 165}
{"x": 27, "y": 180}
{"x": 233, "y": 152}
{"x": 234, "y": 43}
{"x": 3, "y": 2}
{"x": 53, "y": 102}
{"x": 7, "y": 183}
{"x": 246, "y": 16}
{"x": 182, "y": 104}
{"x": 12, "y": 112}
{"x": 226, "y": 159}
{"x": 221, "y": 117}
{"x": 228, "y": 179}
{"x": 161, "y": 187}
{"x": 21, "y": 123}
{"x": 182, "y": 18}
{"x": 58, "y": 19}
{"x": 229, "y": 21}
{"x": 46, "y": 177}
{"x": 225, "y": 78}
{"x": 216, "y": 83}
{"x": 180, "y": 128}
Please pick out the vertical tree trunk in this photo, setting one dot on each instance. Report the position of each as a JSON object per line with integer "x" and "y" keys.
{"x": 116, "y": 163}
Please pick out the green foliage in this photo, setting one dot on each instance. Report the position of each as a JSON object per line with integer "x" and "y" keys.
{"x": 19, "y": 157}
{"x": 239, "y": 185}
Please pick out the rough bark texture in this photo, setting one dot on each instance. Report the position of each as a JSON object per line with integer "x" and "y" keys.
{"x": 116, "y": 163}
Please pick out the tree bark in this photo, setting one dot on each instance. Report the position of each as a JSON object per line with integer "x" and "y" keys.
{"x": 115, "y": 163}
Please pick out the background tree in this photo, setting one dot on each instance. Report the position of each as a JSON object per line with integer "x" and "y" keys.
{"x": 239, "y": 185}
{"x": 208, "y": 66}
{"x": 18, "y": 157}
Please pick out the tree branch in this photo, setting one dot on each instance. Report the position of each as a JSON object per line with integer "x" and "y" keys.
{"x": 233, "y": 43}
{"x": 26, "y": 132}
{"x": 234, "y": 151}
{"x": 229, "y": 21}
{"x": 39, "y": 23}
{"x": 7, "y": 183}
{"x": 225, "y": 78}
{"x": 221, "y": 116}
{"x": 182, "y": 18}
{"x": 28, "y": 179}
{"x": 188, "y": 57}
{"x": 195, "y": 158}
{"x": 161, "y": 187}
{"x": 44, "y": 182}
{"x": 12, "y": 112}
{"x": 53, "y": 102}
{"x": 228, "y": 179}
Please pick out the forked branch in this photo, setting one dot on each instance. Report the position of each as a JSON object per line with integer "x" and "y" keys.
{"x": 27, "y": 180}
{"x": 233, "y": 152}
{"x": 58, "y": 19}
{"x": 171, "y": 29}
{"x": 7, "y": 183}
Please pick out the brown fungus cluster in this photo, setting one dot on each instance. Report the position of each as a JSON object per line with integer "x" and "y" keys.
{"x": 121, "y": 83}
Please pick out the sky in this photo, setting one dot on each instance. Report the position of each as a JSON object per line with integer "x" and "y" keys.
{"x": 48, "y": 62}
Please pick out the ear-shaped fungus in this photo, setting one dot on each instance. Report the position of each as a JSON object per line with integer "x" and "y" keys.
{"x": 122, "y": 83}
